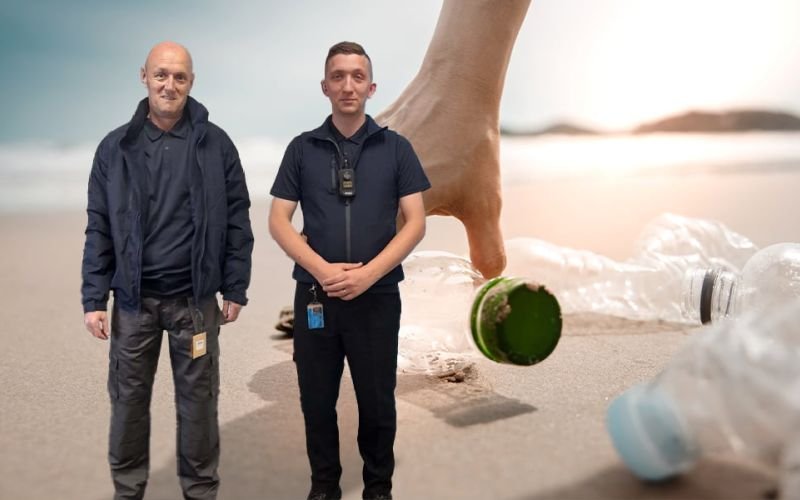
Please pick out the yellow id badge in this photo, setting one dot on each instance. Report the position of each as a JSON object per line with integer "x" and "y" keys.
{"x": 198, "y": 345}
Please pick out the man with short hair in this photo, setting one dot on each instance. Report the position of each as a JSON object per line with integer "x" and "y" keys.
{"x": 168, "y": 227}
{"x": 351, "y": 177}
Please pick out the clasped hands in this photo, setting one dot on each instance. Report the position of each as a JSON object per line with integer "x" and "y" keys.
{"x": 345, "y": 281}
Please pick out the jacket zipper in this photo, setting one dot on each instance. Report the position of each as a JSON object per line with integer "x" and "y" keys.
{"x": 135, "y": 197}
{"x": 196, "y": 285}
{"x": 347, "y": 234}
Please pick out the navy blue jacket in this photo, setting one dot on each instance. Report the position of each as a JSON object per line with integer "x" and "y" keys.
{"x": 341, "y": 229}
{"x": 223, "y": 240}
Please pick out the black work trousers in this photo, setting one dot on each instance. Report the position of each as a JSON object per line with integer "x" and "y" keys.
{"x": 135, "y": 347}
{"x": 365, "y": 331}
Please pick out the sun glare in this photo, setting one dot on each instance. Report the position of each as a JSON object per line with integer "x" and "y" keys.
{"x": 638, "y": 61}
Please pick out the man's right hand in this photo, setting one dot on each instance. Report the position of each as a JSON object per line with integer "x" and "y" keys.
{"x": 334, "y": 272}
{"x": 97, "y": 324}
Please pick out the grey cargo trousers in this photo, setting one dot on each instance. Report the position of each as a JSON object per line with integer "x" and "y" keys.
{"x": 133, "y": 357}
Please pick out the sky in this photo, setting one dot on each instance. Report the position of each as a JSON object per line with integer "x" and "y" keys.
{"x": 70, "y": 69}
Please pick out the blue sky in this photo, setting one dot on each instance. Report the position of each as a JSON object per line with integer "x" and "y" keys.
{"x": 70, "y": 69}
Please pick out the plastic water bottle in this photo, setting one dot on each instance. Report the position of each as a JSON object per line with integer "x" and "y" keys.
{"x": 770, "y": 275}
{"x": 452, "y": 315}
{"x": 734, "y": 388}
{"x": 650, "y": 285}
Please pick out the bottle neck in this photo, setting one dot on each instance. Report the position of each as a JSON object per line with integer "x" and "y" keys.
{"x": 711, "y": 294}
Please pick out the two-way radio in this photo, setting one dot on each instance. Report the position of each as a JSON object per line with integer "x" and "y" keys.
{"x": 347, "y": 179}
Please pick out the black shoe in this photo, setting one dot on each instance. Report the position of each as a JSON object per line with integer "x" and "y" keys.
{"x": 325, "y": 495}
{"x": 379, "y": 496}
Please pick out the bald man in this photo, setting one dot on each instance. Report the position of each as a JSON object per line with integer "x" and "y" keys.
{"x": 168, "y": 228}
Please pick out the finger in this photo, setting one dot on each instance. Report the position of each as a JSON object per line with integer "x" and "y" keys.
{"x": 486, "y": 248}
{"x": 354, "y": 265}
{"x": 233, "y": 312}
{"x": 339, "y": 290}
{"x": 104, "y": 327}
{"x": 350, "y": 294}
{"x": 333, "y": 280}
{"x": 97, "y": 330}
{"x": 226, "y": 305}
{"x": 94, "y": 328}
{"x": 336, "y": 286}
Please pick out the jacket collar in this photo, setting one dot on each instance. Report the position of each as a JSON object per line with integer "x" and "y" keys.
{"x": 323, "y": 132}
{"x": 197, "y": 115}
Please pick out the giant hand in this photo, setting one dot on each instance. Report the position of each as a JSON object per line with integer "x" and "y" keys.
{"x": 450, "y": 113}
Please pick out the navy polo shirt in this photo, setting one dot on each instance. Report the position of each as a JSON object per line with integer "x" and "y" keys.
{"x": 168, "y": 228}
{"x": 350, "y": 147}
{"x": 386, "y": 169}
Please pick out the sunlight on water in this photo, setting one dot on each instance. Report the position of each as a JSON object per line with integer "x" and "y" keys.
{"x": 35, "y": 177}
{"x": 619, "y": 155}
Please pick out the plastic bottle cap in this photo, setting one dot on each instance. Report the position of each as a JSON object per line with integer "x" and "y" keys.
{"x": 515, "y": 321}
{"x": 649, "y": 435}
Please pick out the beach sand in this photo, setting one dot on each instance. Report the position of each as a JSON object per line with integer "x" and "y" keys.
{"x": 506, "y": 433}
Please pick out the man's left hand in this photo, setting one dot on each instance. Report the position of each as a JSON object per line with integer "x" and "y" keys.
{"x": 349, "y": 284}
{"x": 230, "y": 311}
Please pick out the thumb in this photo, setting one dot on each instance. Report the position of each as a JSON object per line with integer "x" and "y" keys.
{"x": 354, "y": 265}
{"x": 486, "y": 248}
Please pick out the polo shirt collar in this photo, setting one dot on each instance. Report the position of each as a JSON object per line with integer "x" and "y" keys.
{"x": 356, "y": 138}
{"x": 323, "y": 132}
{"x": 180, "y": 130}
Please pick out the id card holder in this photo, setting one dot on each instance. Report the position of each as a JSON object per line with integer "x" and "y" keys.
{"x": 314, "y": 311}
{"x": 199, "y": 345}
{"x": 316, "y": 316}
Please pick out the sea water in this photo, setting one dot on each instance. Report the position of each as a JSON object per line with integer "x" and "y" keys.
{"x": 50, "y": 177}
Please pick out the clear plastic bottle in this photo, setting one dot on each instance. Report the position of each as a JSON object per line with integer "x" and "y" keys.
{"x": 649, "y": 285}
{"x": 769, "y": 276}
{"x": 437, "y": 291}
{"x": 451, "y": 315}
{"x": 733, "y": 388}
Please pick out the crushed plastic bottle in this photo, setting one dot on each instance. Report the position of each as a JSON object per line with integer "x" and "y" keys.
{"x": 771, "y": 275}
{"x": 733, "y": 388}
{"x": 660, "y": 282}
{"x": 437, "y": 293}
{"x": 451, "y": 315}
{"x": 650, "y": 285}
